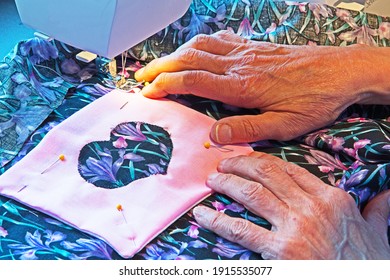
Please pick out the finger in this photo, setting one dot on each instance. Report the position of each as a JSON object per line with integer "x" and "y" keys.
{"x": 185, "y": 59}
{"x": 236, "y": 230}
{"x": 266, "y": 171}
{"x": 377, "y": 212}
{"x": 244, "y": 129}
{"x": 251, "y": 194}
{"x": 212, "y": 44}
{"x": 200, "y": 83}
{"x": 306, "y": 180}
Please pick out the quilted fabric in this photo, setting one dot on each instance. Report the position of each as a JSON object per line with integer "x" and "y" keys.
{"x": 88, "y": 191}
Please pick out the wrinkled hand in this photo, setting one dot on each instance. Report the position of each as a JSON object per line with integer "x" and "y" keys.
{"x": 310, "y": 220}
{"x": 297, "y": 88}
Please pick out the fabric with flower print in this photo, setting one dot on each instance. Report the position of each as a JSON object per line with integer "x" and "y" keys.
{"x": 328, "y": 153}
{"x": 139, "y": 166}
{"x": 26, "y": 96}
{"x": 289, "y": 22}
{"x": 129, "y": 156}
{"x": 34, "y": 79}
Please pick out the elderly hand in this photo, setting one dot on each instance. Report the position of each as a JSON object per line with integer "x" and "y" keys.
{"x": 310, "y": 220}
{"x": 297, "y": 88}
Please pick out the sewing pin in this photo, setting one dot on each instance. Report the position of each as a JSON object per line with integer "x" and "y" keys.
{"x": 135, "y": 244}
{"x": 123, "y": 106}
{"x": 61, "y": 157}
{"x": 208, "y": 145}
{"x": 132, "y": 86}
{"x": 120, "y": 209}
{"x": 22, "y": 189}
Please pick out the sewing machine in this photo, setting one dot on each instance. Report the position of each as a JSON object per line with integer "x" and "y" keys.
{"x": 104, "y": 28}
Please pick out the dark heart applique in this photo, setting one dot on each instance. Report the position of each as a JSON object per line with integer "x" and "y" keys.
{"x": 136, "y": 150}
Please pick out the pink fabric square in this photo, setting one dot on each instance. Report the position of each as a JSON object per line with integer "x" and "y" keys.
{"x": 149, "y": 204}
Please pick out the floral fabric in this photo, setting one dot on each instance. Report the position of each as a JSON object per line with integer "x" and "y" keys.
{"x": 136, "y": 150}
{"x": 351, "y": 154}
{"x": 154, "y": 181}
{"x": 287, "y": 22}
{"x": 34, "y": 79}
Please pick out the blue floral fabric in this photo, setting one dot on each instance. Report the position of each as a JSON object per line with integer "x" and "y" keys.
{"x": 352, "y": 154}
{"x": 27, "y": 96}
{"x": 34, "y": 79}
{"x": 136, "y": 150}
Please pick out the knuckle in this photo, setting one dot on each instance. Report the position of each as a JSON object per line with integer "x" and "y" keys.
{"x": 249, "y": 59}
{"x": 251, "y": 191}
{"x": 251, "y": 129}
{"x": 253, "y": 194}
{"x": 274, "y": 49}
{"x": 160, "y": 81}
{"x": 238, "y": 229}
{"x": 267, "y": 169}
{"x": 225, "y": 179}
{"x": 242, "y": 86}
{"x": 289, "y": 127}
{"x": 217, "y": 223}
{"x": 238, "y": 161}
{"x": 201, "y": 39}
{"x": 294, "y": 170}
{"x": 192, "y": 79}
{"x": 187, "y": 56}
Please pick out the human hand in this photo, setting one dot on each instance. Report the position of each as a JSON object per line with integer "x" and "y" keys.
{"x": 297, "y": 88}
{"x": 310, "y": 220}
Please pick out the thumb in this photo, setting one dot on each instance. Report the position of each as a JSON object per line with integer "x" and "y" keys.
{"x": 377, "y": 211}
{"x": 244, "y": 129}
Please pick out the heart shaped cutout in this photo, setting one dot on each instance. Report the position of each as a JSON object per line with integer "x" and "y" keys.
{"x": 135, "y": 150}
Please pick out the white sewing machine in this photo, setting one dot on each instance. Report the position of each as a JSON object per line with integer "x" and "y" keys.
{"x": 103, "y": 27}
{"x": 109, "y": 27}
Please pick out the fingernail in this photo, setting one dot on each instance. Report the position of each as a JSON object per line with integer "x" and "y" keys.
{"x": 199, "y": 211}
{"x": 212, "y": 177}
{"x": 223, "y": 133}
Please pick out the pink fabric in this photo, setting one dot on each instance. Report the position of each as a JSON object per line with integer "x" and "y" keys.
{"x": 150, "y": 204}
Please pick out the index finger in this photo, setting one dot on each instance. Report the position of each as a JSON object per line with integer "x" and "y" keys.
{"x": 199, "y": 83}
{"x": 182, "y": 60}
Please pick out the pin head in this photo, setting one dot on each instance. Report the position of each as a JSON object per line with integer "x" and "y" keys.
{"x": 61, "y": 157}
{"x": 207, "y": 145}
{"x": 119, "y": 207}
